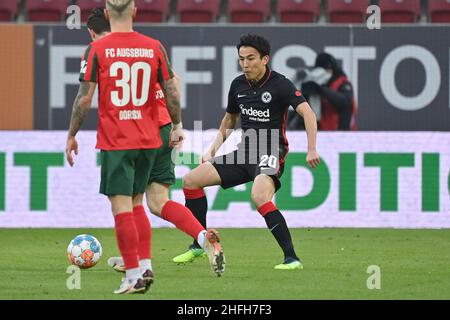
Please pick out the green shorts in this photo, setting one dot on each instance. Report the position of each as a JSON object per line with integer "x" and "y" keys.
{"x": 126, "y": 172}
{"x": 163, "y": 170}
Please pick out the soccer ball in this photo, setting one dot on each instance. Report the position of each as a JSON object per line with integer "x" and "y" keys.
{"x": 84, "y": 251}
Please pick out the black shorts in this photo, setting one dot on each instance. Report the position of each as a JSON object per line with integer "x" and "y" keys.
{"x": 240, "y": 167}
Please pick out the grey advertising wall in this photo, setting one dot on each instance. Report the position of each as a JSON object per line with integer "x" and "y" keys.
{"x": 400, "y": 74}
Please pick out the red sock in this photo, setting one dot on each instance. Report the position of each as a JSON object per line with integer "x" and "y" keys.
{"x": 127, "y": 239}
{"x": 266, "y": 208}
{"x": 182, "y": 218}
{"x": 144, "y": 229}
{"x": 193, "y": 194}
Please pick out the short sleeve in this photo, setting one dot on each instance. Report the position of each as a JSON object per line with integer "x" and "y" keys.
{"x": 291, "y": 96}
{"x": 232, "y": 106}
{"x": 165, "y": 69}
{"x": 89, "y": 65}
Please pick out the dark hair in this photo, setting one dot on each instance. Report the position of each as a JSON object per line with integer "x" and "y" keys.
{"x": 255, "y": 41}
{"x": 97, "y": 21}
{"x": 327, "y": 61}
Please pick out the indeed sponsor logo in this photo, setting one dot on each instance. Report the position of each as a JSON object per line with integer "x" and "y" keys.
{"x": 255, "y": 113}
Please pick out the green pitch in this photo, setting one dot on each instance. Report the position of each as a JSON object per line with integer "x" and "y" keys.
{"x": 414, "y": 264}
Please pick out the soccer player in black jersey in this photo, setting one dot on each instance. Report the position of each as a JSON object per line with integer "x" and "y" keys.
{"x": 261, "y": 98}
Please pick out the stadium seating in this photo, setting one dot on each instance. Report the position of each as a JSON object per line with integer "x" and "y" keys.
{"x": 439, "y": 11}
{"x": 8, "y": 10}
{"x": 45, "y": 10}
{"x": 399, "y": 11}
{"x": 298, "y": 11}
{"x": 238, "y": 11}
{"x": 152, "y": 10}
{"x": 248, "y": 11}
{"x": 147, "y": 10}
{"x": 86, "y": 7}
{"x": 347, "y": 11}
{"x": 198, "y": 11}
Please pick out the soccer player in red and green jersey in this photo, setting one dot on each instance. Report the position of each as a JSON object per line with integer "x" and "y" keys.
{"x": 127, "y": 65}
{"x": 162, "y": 175}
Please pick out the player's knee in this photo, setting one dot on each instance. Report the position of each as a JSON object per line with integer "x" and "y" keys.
{"x": 189, "y": 181}
{"x": 156, "y": 204}
{"x": 138, "y": 200}
{"x": 259, "y": 199}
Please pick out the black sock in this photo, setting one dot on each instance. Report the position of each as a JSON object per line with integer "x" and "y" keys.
{"x": 199, "y": 208}
{"x": 277, "y": 225}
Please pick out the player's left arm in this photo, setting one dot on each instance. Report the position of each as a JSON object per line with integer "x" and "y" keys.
{"x": 293, "y": 97}
{"x": 170, "y": 84}
{"x": 80, "y": 110}
{"x": 304, "y": 110}
{"x": 172, "y": 95}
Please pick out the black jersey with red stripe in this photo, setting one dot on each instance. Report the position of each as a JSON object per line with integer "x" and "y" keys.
{"x": 263, "y": 109}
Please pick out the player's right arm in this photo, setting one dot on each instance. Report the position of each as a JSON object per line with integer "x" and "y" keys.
{"x": 172, "y": 96}
{"x": 83, "y": 100}
{"x": 226, "y": 128}
{"x": 80, "y": 110}
{"x": 228, "y": 123}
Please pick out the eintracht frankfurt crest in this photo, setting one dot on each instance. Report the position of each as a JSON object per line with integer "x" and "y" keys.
{"x": 266, "y": 97}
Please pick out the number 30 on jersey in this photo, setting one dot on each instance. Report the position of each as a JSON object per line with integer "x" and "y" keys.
{"x": 129, "y": 83}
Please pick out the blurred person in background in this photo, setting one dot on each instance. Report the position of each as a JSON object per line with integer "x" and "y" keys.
{"x": 329, "y": 93}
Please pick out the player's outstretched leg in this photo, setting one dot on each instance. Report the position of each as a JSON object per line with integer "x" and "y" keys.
{"x": 184, "y": 220}
{"x": 193, "y": 184}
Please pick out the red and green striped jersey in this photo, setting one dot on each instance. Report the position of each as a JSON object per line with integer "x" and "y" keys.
{"x": 127, "y": 66}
